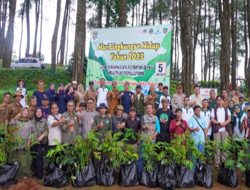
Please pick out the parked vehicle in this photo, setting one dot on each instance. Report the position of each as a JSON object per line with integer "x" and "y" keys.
{"x": 28, "y": 62}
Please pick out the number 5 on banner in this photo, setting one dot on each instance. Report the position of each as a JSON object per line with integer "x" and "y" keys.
{"x": 160, "y": 69}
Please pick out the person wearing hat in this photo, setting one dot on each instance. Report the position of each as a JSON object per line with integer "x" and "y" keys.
{"x": 90, "y": 92}
{"x": 40, "y": 92}
{"x": 165, "y": 95}
{"x": 178, "y": 97}
{"x": 165, "y": 115}
{"x": 4, "y": 108}
{"x": 45, "y": 106}
{"x": 113, "y": 98}
{"x": 21, "y": 87}
{"x": 15, "y": 108}
{"x": 102, "y": 93}
{"x": 69, "y": 129}
{"x": 138, "y": 101}
{"x": 178, "y": 126}
{"x": 126, "y": 97}
{"x": 102, "y": 123}
{"x": 118, "y": 121}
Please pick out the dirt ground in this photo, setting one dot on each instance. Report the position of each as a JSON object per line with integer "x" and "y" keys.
{"x": 33, "y": 184}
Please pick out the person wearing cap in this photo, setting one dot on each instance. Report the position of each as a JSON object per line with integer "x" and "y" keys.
{"x": 138, "y": 101}
{"x": 61, "y": 99}
{"x": 4, "y": 108}
{"x": 102, "y": 123}
{"x": 118, "y": 121}
{"x": 88, "y": 117}
{"x": 113, "y": 98}
{"x": 21, "y": 87}
{"x": 196, "y": 98}
{"x": 151, "y": 97}
{"x": 165, "y": 95}
{"x": 102, "y": 93}
{"x": 239, "y": 123}
{"x": 15, "y": 108}
{"x": 178, "y": 98}
{"x": 187, "y": 110}
{"x": 178, "y": 126}
{"x": 69, "y": 129}
{"x": 132, "y": 122}
{"x": 165, "y": 115}
{"x": 39, "y": 92}
{"x": 51, "y": 93}
{"x": 32, "y": 107}
{"x": 90, "y": 92}
{"x": 45, "y": 106}
{"x": 159, "y": 93}
{"x": 126, "y": 97}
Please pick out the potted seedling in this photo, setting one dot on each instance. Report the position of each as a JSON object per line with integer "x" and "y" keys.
{"x": 235, "y": 158}
{"x": 60, "y": 160}
{"x": 83, "y": 171}
{"x": 203, "y": 171}
{"x": 8, "y": 142}
{"x": 149, "y": 156}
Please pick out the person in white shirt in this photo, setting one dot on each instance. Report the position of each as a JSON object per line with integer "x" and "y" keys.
{"x": 54, "y": 123}
{"x": 206, "y": 112}
{"x": 239, "y": 118}
{"x": 187, "y": 111}
{"x": 102, "y": 93}
{"x": 220, "y": 118}
{"x": 21, "y": 87}
{"x": 165, "y": 95}
{"x": 196, "y": 98}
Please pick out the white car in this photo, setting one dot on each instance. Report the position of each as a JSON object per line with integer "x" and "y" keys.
{"x": 28, "y": 62}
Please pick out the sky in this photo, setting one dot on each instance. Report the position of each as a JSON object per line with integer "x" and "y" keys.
{"x": 49, "y": 17}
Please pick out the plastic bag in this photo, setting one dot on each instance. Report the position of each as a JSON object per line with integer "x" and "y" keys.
{"x": 227, "y": 177}
{"x": 203, "y": 175}
{"x": 8, "y": 174}
{"x": 105, "y": 173}
{"x": 185, "y": 177}
{"x": 56, "y": 177}
{"x": 248, "y": 178}
{"x": 85, "y": 177}
{"x": 149, "y": 178}
{"x": 166, "y": 178}
{"x": 128, "y": 175}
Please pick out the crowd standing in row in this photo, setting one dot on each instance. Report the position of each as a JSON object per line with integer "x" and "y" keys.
{"x": 58, "y": 116}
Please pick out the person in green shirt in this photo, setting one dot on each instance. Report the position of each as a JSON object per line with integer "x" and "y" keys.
{"x": 102, "y": 123}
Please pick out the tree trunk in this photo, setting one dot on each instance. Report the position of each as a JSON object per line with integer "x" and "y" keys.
{"x": 214, "y": 40}
{"x": 55, "y": 34}
{"x": 160, "y": 11}
{"x": 122, "y": 13}
{"x": 153, "y": 12}
{"x": 3, "y": 25}
{"x": 63, "y": 32}
{"x": 27, "y": 11}
{"x": 100, "y": 11}
{"x": 224, "y": 18}
{"x": 108, "y": 9}
{"x": 234, "y": 41}
{"x": 247, "y": 75}
{"x": 204, "y": 43}
{"x": 37, "y": 14}
{"x": 10, "y": 35}
{"x": 133, "y": 14}
{"x": 41, "y": 30}
{"x": 79, "y": 49}
{"x": 21, "y": 37}
{"x": 142, "y": 14}
{"x": 185, "y": 11}
{"x": 209, "y": 41}
{"x": 67, "y": 42}
{"x": 146, "y": 7}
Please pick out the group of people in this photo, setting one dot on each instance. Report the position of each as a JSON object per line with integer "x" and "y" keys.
{"x": 54, "y": 117}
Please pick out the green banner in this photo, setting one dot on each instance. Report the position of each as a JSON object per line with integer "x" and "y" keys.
{"x": 134, "y": 54}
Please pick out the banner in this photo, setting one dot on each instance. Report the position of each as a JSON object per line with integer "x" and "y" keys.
{"x": 134, "y": 54}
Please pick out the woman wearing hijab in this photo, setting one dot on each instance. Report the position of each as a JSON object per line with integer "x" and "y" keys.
{"x": 39, "y": 134}
{"x": 238, "y": 122}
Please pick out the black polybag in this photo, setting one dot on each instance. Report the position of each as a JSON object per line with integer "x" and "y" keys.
{"x": 203, "y": 175}
{"x": 85, "y": 177}
{"x": 227, "y": 177}
{"x": 248, "y": 178}
{"x": 149, "y": 178}
{"x": 105, "y": 173}
{"x": 166, "y": 178}
{"x": 8, "y": 174}
{"x": 185, "y": 177}
{"x": 128, "y": 175}
{"x": 56, "y": 177}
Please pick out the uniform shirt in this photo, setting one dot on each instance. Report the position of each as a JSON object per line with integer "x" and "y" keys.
{"x": 102, "y": 96}
{"x": 187, "y": 113}
{"x": 87, "y": 121}
{"x": 207, "y": 115}
{"x": 133, "y": 124}
{"x": 39, "y": 128}
{"x": 139, "y": 104}
{"x": 13, "y": 110}
{"x": 54, "y": 135}
{"x": 31, "y": 112}
{"x": 23, "y": 132}
{"x": 212, "y": 103}
{"x": 221, "y": 116}
{"x": 39, "y": 96}
{"x": 3, "y": 113}
{"x": 113, "y": 100}
{"x": 150, "y": 121}
{"x": 198, "y": 136}
{"x": 126, "y": 100}
{"x": 198, "y": 99}
{"x": 107, "y": 125}
{"x": 115, "y": 121}
{"x": 177, "y": 101}
{"x": 69, "y": 133}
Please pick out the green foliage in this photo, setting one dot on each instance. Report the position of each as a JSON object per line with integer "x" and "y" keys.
{"x": 210, "y": 147}
{"x": 235, "y": 151}
{"x": 210, "y": 84}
